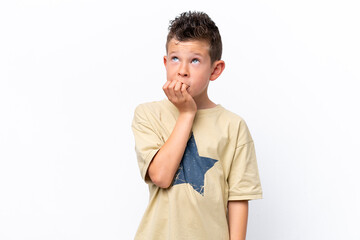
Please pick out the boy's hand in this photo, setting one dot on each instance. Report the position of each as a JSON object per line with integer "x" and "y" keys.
{"x": 177, "y": 93}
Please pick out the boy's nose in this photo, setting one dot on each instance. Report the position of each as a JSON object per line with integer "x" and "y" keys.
{"x": 182, "y": 74}
{"x": 183, "y": 71}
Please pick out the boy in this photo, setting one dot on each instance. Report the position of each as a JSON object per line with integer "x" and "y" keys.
{"x": 197, "y": 157}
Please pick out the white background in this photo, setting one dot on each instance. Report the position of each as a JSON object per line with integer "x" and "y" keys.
{"x": 72, "y": 73}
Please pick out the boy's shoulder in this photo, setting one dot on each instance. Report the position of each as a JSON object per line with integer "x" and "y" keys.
{"x": 232, "y": 115}
{"x": 153, "y": 107}
{"x": 151, "y": 104}
{"x": 237, "y": 124}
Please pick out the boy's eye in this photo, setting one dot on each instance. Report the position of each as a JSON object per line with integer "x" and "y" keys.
{"x": 174, "y": 59}
{"x": 195, "y": 60}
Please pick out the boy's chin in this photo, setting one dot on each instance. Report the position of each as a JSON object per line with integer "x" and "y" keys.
{"x": 190, "y": 93}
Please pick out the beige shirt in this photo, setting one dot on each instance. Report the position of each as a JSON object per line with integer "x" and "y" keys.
{"x": 219, "y": 164}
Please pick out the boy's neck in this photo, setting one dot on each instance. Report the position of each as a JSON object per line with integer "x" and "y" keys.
{"x": 203, "y": 102}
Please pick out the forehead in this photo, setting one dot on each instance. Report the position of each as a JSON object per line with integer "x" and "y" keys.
{"x": 189, "y": 46}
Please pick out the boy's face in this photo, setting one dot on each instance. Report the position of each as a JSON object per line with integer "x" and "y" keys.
{"x": 189, "y": 62}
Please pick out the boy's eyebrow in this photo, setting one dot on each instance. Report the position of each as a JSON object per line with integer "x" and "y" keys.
{"x": 172, "y": 52}
{"x": 199, "y": 54}
{"x": 195, "y": 53}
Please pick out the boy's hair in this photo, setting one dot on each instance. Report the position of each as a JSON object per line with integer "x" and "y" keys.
{"x": 196, "y": 26}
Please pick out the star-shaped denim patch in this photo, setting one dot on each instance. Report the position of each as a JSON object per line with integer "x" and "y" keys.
{"x": 193, "y": 167}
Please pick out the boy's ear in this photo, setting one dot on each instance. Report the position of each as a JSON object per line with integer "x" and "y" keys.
{"x": 218, "y": 68}
{"x": 165, "y": 60}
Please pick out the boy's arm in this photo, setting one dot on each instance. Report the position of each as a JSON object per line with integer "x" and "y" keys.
{"x": 238, "y": 215}
{"x": 166, "y": 161}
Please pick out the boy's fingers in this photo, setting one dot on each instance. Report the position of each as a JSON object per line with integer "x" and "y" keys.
{"x": 171, "y": 89}
{"x": 183, "y": 87}
{"x": 177, "y": 86}
{"x": 166, "y": 85}
{"x": 184, "y": 90}
{"x": 177, "y": 89}
{"x": 172, "y": 84}
{"x": 166, "y": 91}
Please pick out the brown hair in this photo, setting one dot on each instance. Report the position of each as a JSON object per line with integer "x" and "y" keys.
{"x": 196, "y": 26}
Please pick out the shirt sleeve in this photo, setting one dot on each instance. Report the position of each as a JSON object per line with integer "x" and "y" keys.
{"x": 244, "y": 181}
{"x": 147, "y": 142}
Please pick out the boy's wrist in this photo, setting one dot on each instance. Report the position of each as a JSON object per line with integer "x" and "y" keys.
{"x": 187, "y": 114}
